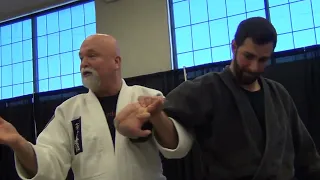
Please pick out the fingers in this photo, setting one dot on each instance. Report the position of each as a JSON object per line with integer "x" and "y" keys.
{"x": 143, "y": 133}
{"x": 141, "y": 101}
{"x": 1, "y": 120}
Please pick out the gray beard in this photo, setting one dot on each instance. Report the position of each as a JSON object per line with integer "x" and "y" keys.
{"x": 91, "y": 82}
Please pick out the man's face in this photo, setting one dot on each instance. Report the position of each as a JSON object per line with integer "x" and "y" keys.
{"x": 250, "y": 60}
{"x": 96, "y": 63}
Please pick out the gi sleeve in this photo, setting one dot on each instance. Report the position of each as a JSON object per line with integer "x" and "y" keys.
{"x": 307, "y": 160}
{"x": 53, "y": 151}
{"x": 185, "y": 141}
{"x": 189, "y": 106}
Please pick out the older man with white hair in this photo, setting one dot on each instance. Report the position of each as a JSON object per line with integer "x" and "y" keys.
{"x": 82, "y": 135}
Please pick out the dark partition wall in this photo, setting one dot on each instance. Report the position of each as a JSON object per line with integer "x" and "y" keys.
{"x": 297, "y": 70}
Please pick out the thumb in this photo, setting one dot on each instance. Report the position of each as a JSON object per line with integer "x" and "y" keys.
{"x": 143, "y": 133}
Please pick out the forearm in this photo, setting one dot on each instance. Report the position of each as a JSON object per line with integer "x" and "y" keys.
{"x": 165, "y": 131}
{"x": 26, "y": 156}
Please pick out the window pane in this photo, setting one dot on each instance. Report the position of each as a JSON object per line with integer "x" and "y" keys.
{"x": 41, "y": 25}
{"x": 17, "y": 73}
{"x": 77, "y": 79}
{"x": 7, "y": 75}
{"x": 17, "y": 52}
{"x": 318, "y": 35}
{"x": 53, "y": 22}
{"x": 65, "y": 41}
{"x": 260, "y": 13}
{"x": 43, "y": 85}
{"x": 185, "y": 60}
{"x": 42, "y": 46}
{"x": 221, "y": 53}
{"x": 0, "y": 77}
{"x": 42, "y": 68}
{"x": 181, "y": 14}
{"x": 67, "y": 81}
{"x": 199, "y": 11}
{"x": 304, "y": 38}
{"x": 280, "y": 18}
{"x": 277, "y": 2}
{"x": 77, "y": 15}
{"x": 252, "y": 5}
{"x": 27, "y": 50}
{"x": 202, "y": 57}
{"x": 54, "y": 66}
{"x": 53, "y": 44}
{"x": 216, "y": 9}
{"x": 76, "y": 62}
{"x": 234, "y": 22}
{"x": 28, "y": 88}
{"x": 17, "y": 90}
{"x": 78, "y": 36}
{"x": 89, "y": 12}
{"x": 7, "y": 92}
{"x": 301, "y": 15}
{"x": 65, "y": 19}
{"x": 66, "y": 63}
{"x": 200, "y": 36}
{"x": 16, "y": 32}
{"x": 316, "y": 12}
{"x": 6, "y": 55}
{"x": 235, "y": 7}
{"x": 27, "y": 71}
{"x": 219, "y": 32}
{"x": 6, "y": 35}
{"x": 285, "y": 42}
{"x": 27, "y": 31}
{"x": 54, "y": 84}
{"x": 183, "y": 39}
{"x": 90, "y": 29}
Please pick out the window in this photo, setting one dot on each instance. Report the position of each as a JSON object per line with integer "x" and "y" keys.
{"x": 16, "y": 65}
{"x": 59, "y": 37}
{"x": 296, "y": 22}
{"x": 204, "y": 29}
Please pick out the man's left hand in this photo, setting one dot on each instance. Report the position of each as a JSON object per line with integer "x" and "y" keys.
{"x": 130, "y": 120}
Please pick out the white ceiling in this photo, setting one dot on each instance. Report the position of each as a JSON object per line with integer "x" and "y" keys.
{"x": 13, "y": 8}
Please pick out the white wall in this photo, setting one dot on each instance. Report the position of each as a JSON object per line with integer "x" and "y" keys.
{"x": 141, "y": 27}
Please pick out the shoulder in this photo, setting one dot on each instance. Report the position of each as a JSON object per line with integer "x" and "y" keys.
{"x": 203, "y": 83}
{"x": 71, "y": 107}
{"x": 144, "y": 91}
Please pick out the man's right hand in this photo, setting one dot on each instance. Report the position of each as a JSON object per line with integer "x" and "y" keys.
{"x": 24, "y": 151}
{"x": 8, "y": 134}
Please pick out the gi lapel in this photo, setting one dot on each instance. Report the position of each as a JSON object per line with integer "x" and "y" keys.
{"x": 98, "y": 119}
{"x": 276, "y": 131}
{"x": 125, "y": 97}
{"x": 248, "y": 116}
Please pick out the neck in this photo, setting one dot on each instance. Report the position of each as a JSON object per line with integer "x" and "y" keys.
{"x": 255, "y": 86}
{"x": 110, "y": 88}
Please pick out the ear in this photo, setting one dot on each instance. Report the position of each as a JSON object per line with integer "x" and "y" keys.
{"x": 234, "y": 47}
{"x": 118, "y": 62}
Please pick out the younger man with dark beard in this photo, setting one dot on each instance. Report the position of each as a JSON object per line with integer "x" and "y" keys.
{"x": 247, "y": 126}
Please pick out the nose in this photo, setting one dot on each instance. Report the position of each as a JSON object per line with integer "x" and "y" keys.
{"x": 84, "y": 63}
{"x": 256, "y": 66}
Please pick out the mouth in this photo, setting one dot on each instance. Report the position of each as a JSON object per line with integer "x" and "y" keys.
{"x": 85, "y": 74}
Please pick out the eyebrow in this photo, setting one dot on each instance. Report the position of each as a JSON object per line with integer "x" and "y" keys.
{"x": 252, "y": 54}
{"x": 88, "y": 51}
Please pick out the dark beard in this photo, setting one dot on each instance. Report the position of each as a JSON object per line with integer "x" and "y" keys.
{"x": 244, "y": 77}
